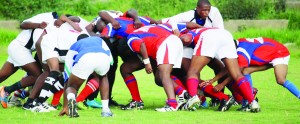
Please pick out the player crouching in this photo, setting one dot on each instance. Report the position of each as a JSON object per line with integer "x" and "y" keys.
{"x": 87, "y": 56}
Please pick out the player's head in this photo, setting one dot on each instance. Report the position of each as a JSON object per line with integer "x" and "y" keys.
{"x": 186, "y": 39}
{"x": 82, "y": 36}
{"x": 203, "y": 8}
{"x": 100, "y": 25}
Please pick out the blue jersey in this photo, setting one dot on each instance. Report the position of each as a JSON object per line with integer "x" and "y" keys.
{"x": 126, "y": 28}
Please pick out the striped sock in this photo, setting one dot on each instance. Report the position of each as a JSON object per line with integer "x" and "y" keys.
{"x": 245, "y": 89}
{"x": 172, "y": 103}
{"x": 90, "y": 87}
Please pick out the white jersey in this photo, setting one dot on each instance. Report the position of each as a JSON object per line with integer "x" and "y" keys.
{"x": 28, "y": 38}
{"x": 214, "y": 19}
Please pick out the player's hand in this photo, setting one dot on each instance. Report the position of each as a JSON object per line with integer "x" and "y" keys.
{"x": 115, "y": 24}
{"x": 137, "y": 23}
{"x": 43, "y": 25}
{"x": 148, "y": 68}
{"x": 152, "y": 21}
{"x": 204, "y": 83}
{"x": 64, "y": 18}
{"x": 64, "y": 111}
{"x": 176, "y": 32}
{"x": 218, "y": 88}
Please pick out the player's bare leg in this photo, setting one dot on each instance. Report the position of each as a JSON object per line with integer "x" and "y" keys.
{"x": 197, "y": 64}
{"x": 73, "y": 85}
{"x": 126, "y": 69}
{"x": 242, "y": 82}
{"x": 165, "y": 76}
{"x": 280, "y": 74}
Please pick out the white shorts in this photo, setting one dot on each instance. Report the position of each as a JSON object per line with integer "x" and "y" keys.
{"x": 89, "y": 63}
{"x": 61, "y": 40}
{"x": 18, "y": 55}
{"x": 283, "y": 60}
{"x": 216, "y": 43}
{"x": 187, "y": 52}
{"x": 170, "y": 52}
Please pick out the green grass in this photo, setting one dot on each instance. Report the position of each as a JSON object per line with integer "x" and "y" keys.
{"x": 277, "y": 104}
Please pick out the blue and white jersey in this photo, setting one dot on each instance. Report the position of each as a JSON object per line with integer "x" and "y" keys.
{"x": 92, "y": 44}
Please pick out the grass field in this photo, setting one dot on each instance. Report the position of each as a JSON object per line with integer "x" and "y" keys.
{"x": 277, "y": 104}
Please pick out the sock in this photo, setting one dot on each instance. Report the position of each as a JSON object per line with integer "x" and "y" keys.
{"x": 192, "y": 86}
{"x": 13, "y": 87}
{"x": 24, "y": 94}
{"x": 209, "y": 89}
{"x": 51, "y": 86}
{"x": 105, "y": 105}
{"x": 177, "y": 81}
{"x": 178, "y": 90}
{"x": 249, "y": 78}
{"x": 172, "y": 103}
{"x": 237, "y": 97}
{"x": 93, "y": 96}
{"x": 18, "y": 92}
{"x": 292, "y": 88}
{"x": 245, "y": 89}
{"x": 132, "y": 85}
{"x": 56, "y": 97}
{"x": 90, "y": 87}
{"x": 70, "y": 96}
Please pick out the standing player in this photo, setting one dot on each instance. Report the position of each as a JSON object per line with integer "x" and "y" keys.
{"x": 204, "y": 15}
{"x": 87, "y": 56}
{"x": 166, "y": 49}
{"x": 208, "y": 47}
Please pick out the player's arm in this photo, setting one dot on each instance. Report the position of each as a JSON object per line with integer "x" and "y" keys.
{"x": 251, "y": 69}
{"x": 64, "y": 110}
{"x": 192, "y": 25}
{"x": 132, "y": 13}
{"x": 30, "y": 25}
{"x": 152, "y": 21}
{"x": 66, "y": 19}
{"x": 179, "y": 18}
{"x": 146, "y": 60}
{"x": 137, "y": 45}
{"x": 221, "y": 86}
{"x": 216, "y": 78}
{"x": 107, "y": 18}
{"x": 74, "y": 18}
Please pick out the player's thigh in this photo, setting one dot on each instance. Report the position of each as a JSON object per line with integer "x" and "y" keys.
{"x": 19, "y": 55}
{"x": 280, "y": 71}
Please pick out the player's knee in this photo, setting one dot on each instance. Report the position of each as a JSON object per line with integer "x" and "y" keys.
{"x": 158, "y": 82}
{"x": 280, "y": 81}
